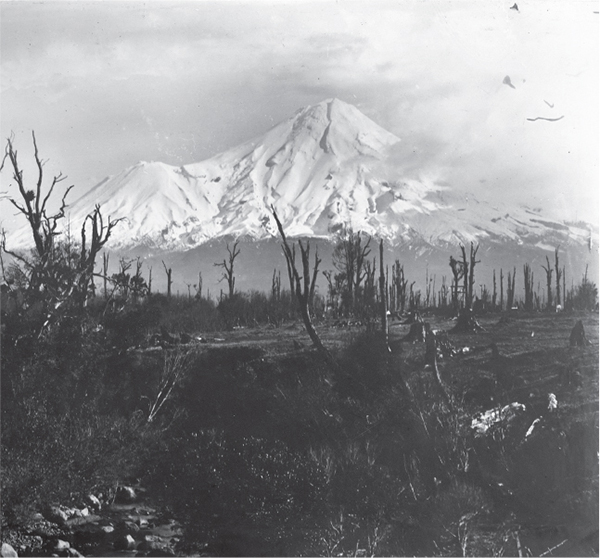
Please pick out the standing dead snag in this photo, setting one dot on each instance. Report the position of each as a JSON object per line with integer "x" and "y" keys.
{"x": 549, "y": 271}
{"x": 350, "y": 259}
{"x": 510, "y": 289}
{"x": 468, "y": 268}
{"x": 169, "y": 273}
{"x": 105, "y": 259}
{"x": 559, "y": 275}
{"x": 313, "y": 283}
{"x": 57, "y": 276}
{"x": 43, "y": 226}
{"x": 457, "y": 272}
{"x": 528, "y": 283}
{"x": 302, "y": 288}
{"x": 228, "y": 267}
{"x": 383, "y": 296}
{"x": 100, "y": 234}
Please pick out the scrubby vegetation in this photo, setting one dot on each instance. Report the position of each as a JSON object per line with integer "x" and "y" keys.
{"x": 258, "y": 445}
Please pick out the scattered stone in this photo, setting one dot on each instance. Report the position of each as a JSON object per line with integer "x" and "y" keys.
{"x": 146, "y": 546}
{"x": 126, "y": 542}
{"x": 482, "y": 423}
{"x": 107, "y": 529}
{"x": 128, "y": 527}
{"x": 534, "y": 427}
{"x": 125, "y": 495}
{"x": 59, "y": 545}
{"x": 8, "y": 551}
{"x": 93, "y": 502}
{"x": 37, "y": 517}
{"x": 70, "y": 552}
{"x": 56, "y": 515}
{"x": 45, "y": 528}
{"x": 92, "y": 534}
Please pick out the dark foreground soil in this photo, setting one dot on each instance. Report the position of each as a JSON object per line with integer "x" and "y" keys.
{"x": 271, "y": 453}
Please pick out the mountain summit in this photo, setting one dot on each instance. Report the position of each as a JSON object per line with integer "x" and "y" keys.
{"x": 326, "y": 166}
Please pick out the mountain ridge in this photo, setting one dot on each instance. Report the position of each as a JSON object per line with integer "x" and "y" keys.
{"x": 326, "y": 167}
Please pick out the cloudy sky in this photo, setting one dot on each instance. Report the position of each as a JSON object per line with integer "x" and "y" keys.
{"x": 107, "y": 84}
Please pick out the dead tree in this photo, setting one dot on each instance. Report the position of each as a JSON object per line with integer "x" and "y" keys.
{"x": 105, "y": 258}
{"x": 469, "y": 273}
{"x": 43, "y": 225}
{"x": 494, "y": 293}
{"x": 501, "y": 291}
{"x": 150, "y": 280}
{"x": 56, "y": 274}
{"x": 290, "y": 264}
{"x": 198, "y": 287}
{"x": 313, "y": 283}
{"x": 169, "y": 273}
{"x": 350, "y": 257}
{"x": 276, "y": 286}
{"x": 528, "y": 283}
{"x": 510, "y": 289}
{"x": 101, "y": 232}
{"x": 564, "y": 289}
{"x": 458, "y": 271}
{"x": 549, "y": 271}
{"x": 228, "y": 274}
{"x": 559, "y": 275}
{"x": 443, "y": 294}
{"x": 383, "y": 301}
{"x": 399, "y": 284}
{"x": 302, "y": 289}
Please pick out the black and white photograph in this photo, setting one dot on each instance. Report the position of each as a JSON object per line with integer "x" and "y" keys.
{"x": 299, "y": 278}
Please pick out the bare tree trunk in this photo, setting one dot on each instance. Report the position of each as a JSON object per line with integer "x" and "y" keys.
{"x": 549, "y": 272}
{"x": 105, "y": 258}
{"x": 169, "y": 273}
{"x": 383, "y": 296}
{"x": 559, "y": 275}
{"x": 302, "y": 289}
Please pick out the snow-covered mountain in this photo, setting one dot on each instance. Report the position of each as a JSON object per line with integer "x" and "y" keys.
{"x": 326, "y": 166}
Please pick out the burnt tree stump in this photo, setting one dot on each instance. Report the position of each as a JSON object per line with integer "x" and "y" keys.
{"x": 417, "y": 332}
{"x": 577, "y": 338}
{"x": 466, "y": 322}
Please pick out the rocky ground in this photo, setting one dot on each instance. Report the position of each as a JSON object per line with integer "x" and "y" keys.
{"x": 121, "y": 522}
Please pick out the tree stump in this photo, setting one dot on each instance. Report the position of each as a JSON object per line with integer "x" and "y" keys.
{"x": 466, "y": 322}
{"x": 417, "y": 332}
{"x": 578, "y": 338}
